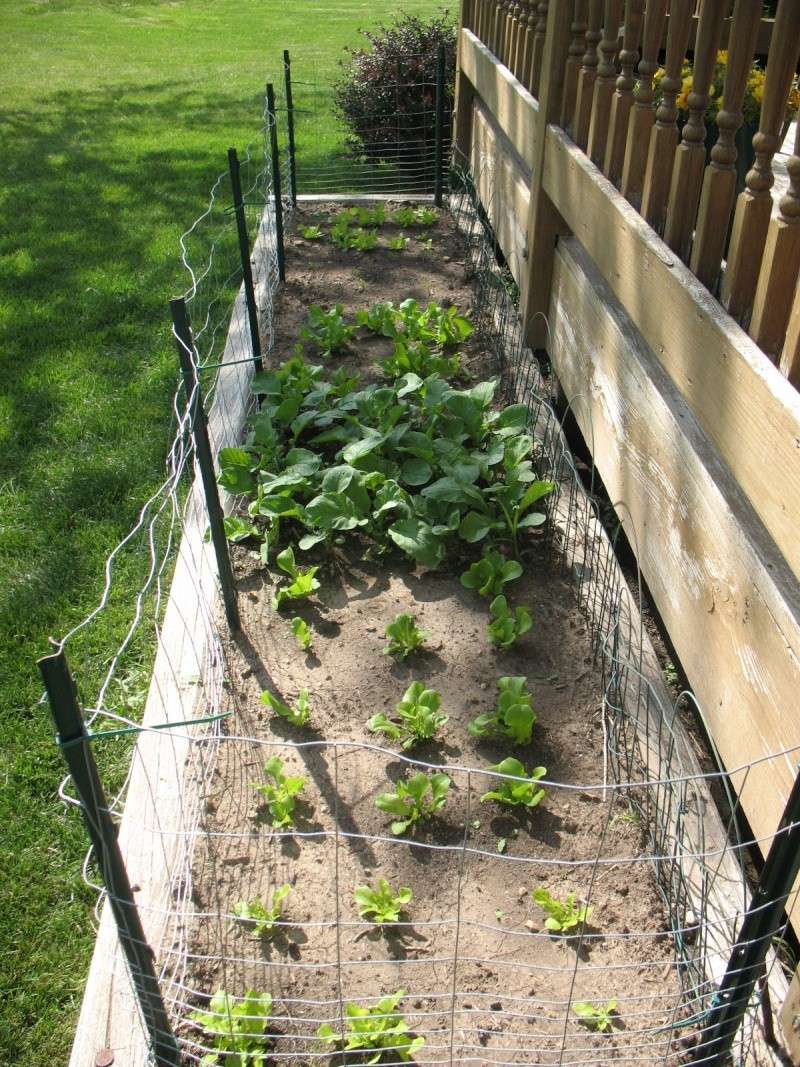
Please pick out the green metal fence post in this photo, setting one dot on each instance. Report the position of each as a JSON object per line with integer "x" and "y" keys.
{"x": 276, "y": 180}
{"x": 205, "y": 461}
{"x": 287, "y": 75}
{"x": 244, "y": 254}
{"x": 438, "y": 158}
{"x": 76, "y": 748}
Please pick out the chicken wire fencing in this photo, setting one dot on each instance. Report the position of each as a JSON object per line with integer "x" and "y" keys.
{"x": 452, "y": 978}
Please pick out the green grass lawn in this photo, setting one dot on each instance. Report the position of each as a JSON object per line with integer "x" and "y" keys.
{"x": 116, "y": 117}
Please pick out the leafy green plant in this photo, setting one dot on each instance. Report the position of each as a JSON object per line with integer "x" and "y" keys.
{"x": 302, "y": 632}
{"x": 375, "y": 1032}
{"x": 403, "y": 216}
{"x": 237, "y": 529}
{"x": 371, "y": 216}
{"x": 513, "y": 716}
{"x": 419, "y": 715}
{"x": 416, "y": 357}
{"x": 303, "y": 582}
{"x": 489, "y": 574}
{"x": 596, "y": 1016}
{"x": 297, "y": 716}
{"x": 235, "y": 1029}
{"x": 416, "y": 800}
{"x": 311, "y": 233}
{"x": 259, "y": 918}
{"x": 523, "y": 791}
{"x": 399, "y": 243}
{"x": 562, "y": 916}
{"x": 363, "y": 240}
{"x": 515, "y": 498}
{"x": 381, "y": 904}
{"x": 404, "y": 636}
{"x": 507, "y": 626}
{"x": 326, "y": 330}
{"x": 280, "y": 793}
{"x": 426, "y": 216}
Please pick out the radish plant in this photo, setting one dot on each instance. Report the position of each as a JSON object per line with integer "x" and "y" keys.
{"x": 562, "y": 916}
{"x": 522, "y": 791}
{"x": 259, "y": 918}
{"x": 374, "y": 1032}
{"x": 296, "y": 716}
{"x": 507, "y": 626}
{"x": 414, "y": 801}
{"x": 513, "y": 716}
{"x": 404, "y": 637}
{"x": 280, "y": 792}
{"x": 381, "y": 904}
{"x": 236, "y": 1029}
{"x": 418, "y": 714}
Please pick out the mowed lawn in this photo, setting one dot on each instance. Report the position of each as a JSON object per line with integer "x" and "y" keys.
{"x": 115, "y": 118}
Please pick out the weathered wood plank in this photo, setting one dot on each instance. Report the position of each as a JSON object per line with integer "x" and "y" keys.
{"x": 728, "y": 600}
{"x": 512, "y": 106}
{"x": 748, "y": 409}
{"x": 503, "y": 184}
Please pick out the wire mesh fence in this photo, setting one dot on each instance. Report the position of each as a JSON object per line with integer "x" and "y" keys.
{"x": 640, "y": 987}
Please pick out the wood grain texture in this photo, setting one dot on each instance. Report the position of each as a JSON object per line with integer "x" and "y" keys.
{"x": 727, "y": 598}
{"x": 744, "y": 404}
{"x": 156, "y": 810}
{"x": 509, "y": 102}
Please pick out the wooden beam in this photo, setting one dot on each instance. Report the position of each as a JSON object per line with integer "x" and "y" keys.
{"x": 727, "y": 599}
{"x": 744, "y": 404}
{"x": 507, "y": 99}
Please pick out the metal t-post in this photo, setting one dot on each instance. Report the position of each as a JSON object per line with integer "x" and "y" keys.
{"x": 287, "y": 75}
{"x": 438, "y": 158}
{"x": 276, "y": 180}
{"x": 76, "y": 748}
{"x": 244, "y": 255}
{"x": 762, "y": 921}
{"x": 205, "y": 461}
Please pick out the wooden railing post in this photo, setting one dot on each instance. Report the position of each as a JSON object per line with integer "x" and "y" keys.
{"x": 690, "y": 157}
{"x": 576, "y": 49}
{"x": 642, "y": 115}
{"x": 664, "y": 136}
{"x": 623, "y": 95}
{"x": 538, "y": 47}
{"x": 525, "y": 48}
{"x": 464, "y": 92}
{"x": 780, "y": 266}
{"x": 719, "y": 182}
{"x": 544, "y": 222}
{"x": 587, "y": 74}
{"x": 604, "y": 83}
{"x": 754, "y": 206}
{"x": 790, "y": 356}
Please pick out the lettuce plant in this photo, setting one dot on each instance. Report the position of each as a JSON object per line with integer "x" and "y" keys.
{"x": 506, "y": 625}
{"x": 523, "y": 791}
{"x": 562, "y": 916}
{"x": 381, "y": 904}
{"x": 404, "y": 637}
{"x": 303, "y": 582}
{"x": 280, "y": 793}
{"x": 259, "y": 918}
{"x": 375, "y": 1032}
{"x": 326, "y": 330}
{"x": 296, "y": 716}
{"x": 418, "y": 714}
{"x": 302, "y": 632}
{"x": 311, "y": 233}
{"x": 597, "y": 1017}
{"x": 236, "y": 1029}
{"x": 415, "y": 800}
{"x": 513, "y": 716}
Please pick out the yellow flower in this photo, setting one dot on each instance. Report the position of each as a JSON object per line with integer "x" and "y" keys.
{"x": 683, "y": 97}
{"x": 722, "y": 57}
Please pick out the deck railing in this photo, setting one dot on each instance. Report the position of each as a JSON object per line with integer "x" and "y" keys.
{"x": 619, "y": 71}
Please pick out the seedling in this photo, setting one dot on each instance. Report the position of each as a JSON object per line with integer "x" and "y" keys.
{"x": 381, "y": 904}
{"x": 507, "y": 626}
{"x": 521, "y": 793}
{"x": 488, "y": 575}
{"x": 415, "y": 800}
{"x": 280, "y": 793}
{"x": 375, "y": 1031}
{"x": 419, "y": 715}
{"x": 513, "y": 716}
{"x": 363, "y": 240}
{"x": 398, "y": 244}
{"x": 326, "y": 330}
{"x": 303, "y": 582}
{"x": 258, "y": 918}
{"x": 404, "y": 637}
{"x": 426, "y": 243}
{"x": 404, "y": 216}
{"x": 595, "y": 1016}
{"x": 562, "y": 916}
{"x": 515, "y": 499}
{"x": 375, "y": 216}
{"x": 415, "y": 357}
{"x": 311, "y": 233}
{"x": 302, "y": 631}
{"x": 237, "y": 529}
{"x": 236, "y": 1030}
{"x": 297, "y": 716}
{"x": 426, "y": 216}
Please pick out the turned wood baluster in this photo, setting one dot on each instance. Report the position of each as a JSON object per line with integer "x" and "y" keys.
{"x": 642, "y": 114}
{"x": 525, "y": 42}
{"x": 577, "y": 47}
{"x": 588, "y": 74}
{"x": 754, "y": 205}
{"x": 790, "y": 357}
{"x": 719, "y": 182}
{"x": 512, "y": 21}
{"x": 538, "y": 46}
{"x": 664, "y": 136}
{"x": 690, "y": 155}
{"x": 498, "y": 24}
{"x": 780, "y": 266}
{"x": 604, "y": 83}
{"x": 623, "y": 95}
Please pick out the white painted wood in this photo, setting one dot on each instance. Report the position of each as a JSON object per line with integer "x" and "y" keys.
{"x": 158, "y": 806}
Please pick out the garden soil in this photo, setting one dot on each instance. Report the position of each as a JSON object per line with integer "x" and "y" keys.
{"x": 472, "y": 867}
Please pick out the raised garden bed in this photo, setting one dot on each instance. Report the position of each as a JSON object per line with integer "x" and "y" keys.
{"x": 485, "y": 980}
